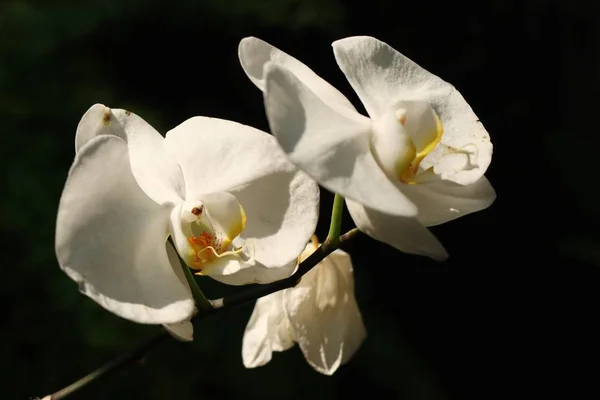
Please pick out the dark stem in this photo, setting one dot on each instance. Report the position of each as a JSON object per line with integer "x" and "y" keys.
{"x": 250, "y": 294}
{"x": 110, "y": 367}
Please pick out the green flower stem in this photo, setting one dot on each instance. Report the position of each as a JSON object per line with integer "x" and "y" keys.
{"x": 201, "y": 301}
{"x": 335, "y": 226}
{"x": 208, "y": 307}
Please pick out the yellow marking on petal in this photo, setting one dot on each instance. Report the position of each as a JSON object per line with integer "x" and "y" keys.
{"x": 242, "y": 220}
{"x": 409, "y": 173}
{"x": 209, "y": 254}
{"x": 237, "y": 228}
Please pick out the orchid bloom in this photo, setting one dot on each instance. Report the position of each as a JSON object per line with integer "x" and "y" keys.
{"x": 320, "y": 314}
{"x": 235, "y": 208}
{"x": 418, "y": 160}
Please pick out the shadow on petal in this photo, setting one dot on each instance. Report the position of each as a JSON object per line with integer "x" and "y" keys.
{"x": 405, "y": 234}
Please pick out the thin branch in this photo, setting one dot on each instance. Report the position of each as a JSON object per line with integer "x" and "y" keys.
{"x": 250, "y": 294}
{"x": 110, "y": 367}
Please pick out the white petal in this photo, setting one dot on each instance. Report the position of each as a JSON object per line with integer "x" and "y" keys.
{"x": 465, "y": 151}
{"x": 216, "y": 155}
{"x": 157, "y": 175}
{"x": 97, "y": 121}
{"x": 324, "y": 315}
{"x": 254, "y": 54}
{"x": 183, "y": 331}
{"x": 443, "y": 201}
{"x": 381, "y": 76}
{"x": 267, "y": 331}
{"x": 110, "y": 238}
{"x": 332, "y": 148}
{"x": 405, "y": 234}
{"x": 237, "y": 273}
{"x": 282, "y": 211}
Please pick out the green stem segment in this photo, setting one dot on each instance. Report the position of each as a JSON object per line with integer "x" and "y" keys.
{"x": 201, "y": 301}
{"x": 335, "y": 227}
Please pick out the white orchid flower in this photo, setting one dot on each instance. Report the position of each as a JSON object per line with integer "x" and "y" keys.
{"x": 418, "y": 161}
{"x": 320, "y": 314}
{"x": 236, "y": 210}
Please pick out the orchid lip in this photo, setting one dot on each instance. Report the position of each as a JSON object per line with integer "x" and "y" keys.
{"x": 403, "y": 137}
{"x": 208, "y": 228}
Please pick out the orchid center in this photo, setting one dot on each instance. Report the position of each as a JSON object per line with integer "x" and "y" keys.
{"x": 403, "y": 136}
{"x": 204, "y": 230}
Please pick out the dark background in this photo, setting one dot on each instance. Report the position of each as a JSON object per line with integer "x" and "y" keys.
{"x": 514, "y": 305}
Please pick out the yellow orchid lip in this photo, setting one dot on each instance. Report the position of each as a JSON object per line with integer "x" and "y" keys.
{"x": 408, "y": 175}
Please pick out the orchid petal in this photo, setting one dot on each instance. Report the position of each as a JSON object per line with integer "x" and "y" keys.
{"x": 182, "y": 331}
{"x": 280, "y": 202}
{"x": 282, "y": 212}
{"x": 382, "y": 76}
{"x": 268, "y": 330}
{"x": 323, "y": 314}
{"x": 405, "y": 234}
{"x": 110, "y": 238}
{"x": 330, "y": 147}
{"x": 157, "y": 175}
{"x": 238, "y": 272}
{"x": 254, "y": 54}
{"x": 442, "y": 201}
{"x": 216, "y": 155}
{"x": 95, "y": 122}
